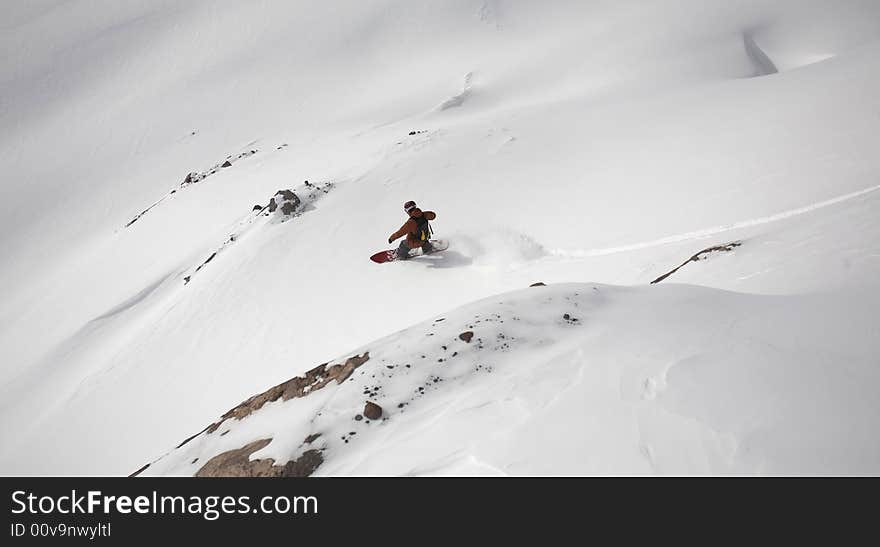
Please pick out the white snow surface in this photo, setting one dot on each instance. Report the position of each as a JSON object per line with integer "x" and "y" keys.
{"x": 593, "y": 146}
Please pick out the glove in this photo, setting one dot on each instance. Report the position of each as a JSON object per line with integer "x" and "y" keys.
{"x": 390, "y": 240}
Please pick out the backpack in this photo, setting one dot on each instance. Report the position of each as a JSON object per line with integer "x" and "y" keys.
{"x": 423, "y": 231}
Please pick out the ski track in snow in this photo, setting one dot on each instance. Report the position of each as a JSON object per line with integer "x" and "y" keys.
{"x": 708, "y": 232}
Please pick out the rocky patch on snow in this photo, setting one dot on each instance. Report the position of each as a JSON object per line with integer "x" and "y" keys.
{"x": 284, "y": 205}
{"x": 198, "y": 176}
{"x": 372, "y": 410}
{"x": 284, "y": 201}
{"x": 299, "y": 386}
{"x": 495, "y": 384}
{"x": 292, "y": 203}
{"x": 702, "y": 255}
{"x": 237, "y": 463}
{"x": 372, "y": 389}
{"x": 193, "y": 178}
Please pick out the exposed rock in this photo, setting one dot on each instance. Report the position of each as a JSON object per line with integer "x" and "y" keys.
{"x": 299, "y": 386}
{"x": 237, "y": 463}
{"x": 188, "y": 439}
{"x": 257, "y": 207}
{"x": 286, "y": 200}
{"x": 466, "y": 336}
{"x": 538, "y": 284}
{"x": 194, "y": 177}
{"x": 303, "y": 466}
{"x": 202, "y": 265}
{"x": 139, "y": 471}
{"x": 286, "y": 194}
{"x": 372, "y": 411}
{"x": 699, "y": 256}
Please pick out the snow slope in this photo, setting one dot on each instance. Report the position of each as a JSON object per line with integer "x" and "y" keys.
{"x": 593, "y": 379}
{"x": 590, "y": 142}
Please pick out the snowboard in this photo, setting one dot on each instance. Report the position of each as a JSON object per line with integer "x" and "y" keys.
{"x": 391, "y": 254}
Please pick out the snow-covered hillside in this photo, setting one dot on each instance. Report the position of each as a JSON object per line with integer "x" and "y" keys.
{"x": 581, "y": 378}
{"x": 594, "y": 146}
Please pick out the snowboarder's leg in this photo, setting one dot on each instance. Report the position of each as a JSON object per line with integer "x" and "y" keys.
{"x": 403, "y": 251}
{"x": 427, "y": 247}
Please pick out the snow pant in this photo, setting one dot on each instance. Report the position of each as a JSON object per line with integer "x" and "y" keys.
{"x": 404, "y": 249}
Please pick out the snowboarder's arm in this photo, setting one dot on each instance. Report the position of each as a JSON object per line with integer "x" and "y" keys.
{"x": 405, "y": 229}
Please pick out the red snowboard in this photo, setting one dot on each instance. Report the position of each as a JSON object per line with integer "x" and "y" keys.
{"x": 391, "y": 254}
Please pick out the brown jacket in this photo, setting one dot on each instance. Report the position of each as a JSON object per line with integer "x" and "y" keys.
{"x": 410, "y": 226}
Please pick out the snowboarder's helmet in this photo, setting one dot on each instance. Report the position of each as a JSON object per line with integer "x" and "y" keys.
{"x": 409, "y": 206}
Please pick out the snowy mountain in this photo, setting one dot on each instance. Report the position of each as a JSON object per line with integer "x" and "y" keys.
{"x": 192, "y": 192}
{"x": 574, "y": 379}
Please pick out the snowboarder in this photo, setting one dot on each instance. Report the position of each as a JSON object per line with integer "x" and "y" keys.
{"x": 417, "y": 231}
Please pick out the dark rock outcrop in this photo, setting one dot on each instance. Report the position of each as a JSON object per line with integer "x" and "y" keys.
{"x": 192, "y": 178}
{"x": 372, "y": 411}
{"x": 139, "y": 471}
{"x": 466, "y": 336}
{"x": 237, "y": 463}
{"x": 286, "y": 200}
{"x": 299, "y": 386}
{"x": 700, "y": 256}
{"x": 303, "y": 466}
